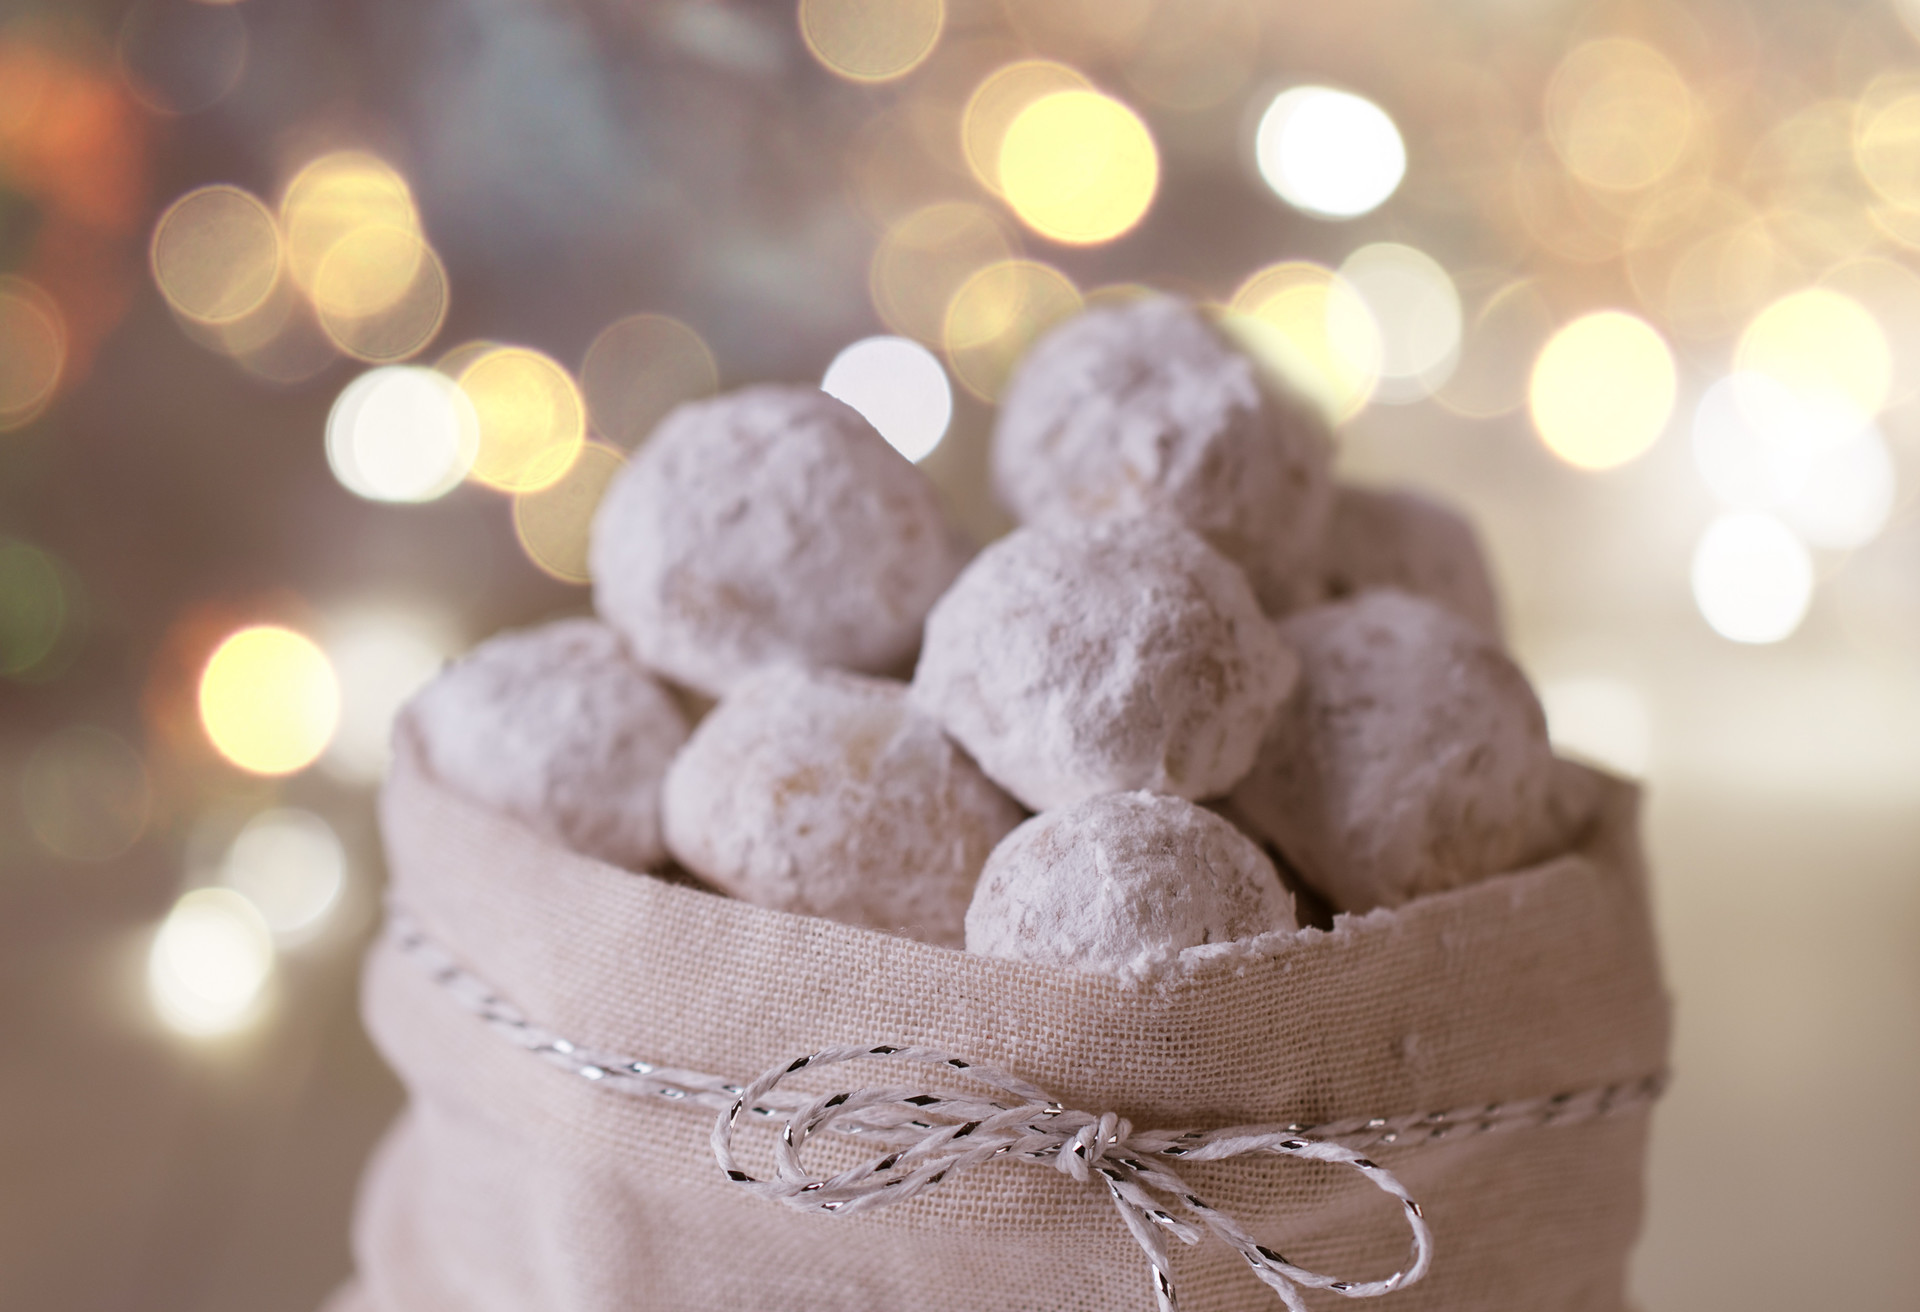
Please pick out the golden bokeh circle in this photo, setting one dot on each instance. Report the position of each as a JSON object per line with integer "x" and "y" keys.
{"x": 1890, "y": 292}
{"x": 367, "y": 271}
{"x": 921, "y": 261}
{"x": 553, "y": 523}
{"x": 995, "y": 317}
{"x": 1078, "y": 167}
{"x": 533, "y": 422}
{"x": 269, "y": 701}
{"x": 1887, "y": 147}
{"x": 216, "y": 254}
{"x": 638, "y": 369}
{"x": 1822, "y": 345}
{"x": 335, "y": 196}
{"x": 999, "y": 99}
{"x": 33, "y": 351}
{"x": 1619, "y": 114}
{"x": 454, "y": 360}
{"x": 871, "y": 40}
{"x": 1602, "y": 390}
{"x": 381, "y": 294}
{"x": 1309, "y": 329}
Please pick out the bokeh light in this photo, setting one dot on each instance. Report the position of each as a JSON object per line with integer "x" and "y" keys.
{"x": 553, "y": 522}
{"x": 532, "y": 419}
{"x": 1749, "y": 466}
{"x": 210, "y": 963}
{"x": 871, "y": 40}
{"x": 639, "y": 368}
{"x": 269, "y": 701}
{"x": 33, "y": 351}
{"x": 1079, "y": 167}
{"x": 1889, "y": 291}
{"x": 291, "y": 866}
{"x": 1752, "y": 578}
{"x": 1602, "y": 390}
{"x": 1416, "y": 309}
{"x": 1619, "y": 114}
{"x": 925, "y": 258}
{"x": 1825, "y": 349}
{"x": 1832, "y": 480}
{"x": 182, "y": 56}
{"x": 381, "y": 294}
{"x": 33, "y": 607}
{"x": 254, "y": 329}
{"x": 996, "y": 315}
{"x": 1887, "y": 147}
{"x": 1329, "y": 153}
{"x": 381, "y": 656}
{"x": 216, "y": 254}
{"x": 454, "y": 361}
{"x": 1000, "y": 98}
{"x": 402, "y": 433}
{"x": 1603, "y": 720}
{"x": 85, "y": 794}
{"x": 899, "y": 386}
{"x": 1312, "y": 330}
{"x": 1848, "y": 494}
{"x": 331, "y": 199}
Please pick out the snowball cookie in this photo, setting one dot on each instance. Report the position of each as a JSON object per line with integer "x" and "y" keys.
{"x": 1414, "y": 757}
{"x": 828, "y": 794}
{"x": 1121, "y": 883}
{"x": 1399, "y": 539}
{"x": 559, "y": 727}
{"x": 770, "y": 525}
{"x": 1079, "y": 658}
{"x": 1145, "y": 406}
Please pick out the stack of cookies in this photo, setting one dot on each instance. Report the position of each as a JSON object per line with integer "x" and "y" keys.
{"x": 1202, "y": 694}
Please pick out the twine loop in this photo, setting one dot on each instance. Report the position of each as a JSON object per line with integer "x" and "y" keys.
{"x": 928, "y": 1136}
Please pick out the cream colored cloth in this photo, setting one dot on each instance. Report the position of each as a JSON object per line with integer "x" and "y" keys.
{"x": 512, "y": 1186}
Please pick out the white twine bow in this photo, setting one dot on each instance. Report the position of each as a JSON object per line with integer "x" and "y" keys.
{"x": 930, "y": 1136}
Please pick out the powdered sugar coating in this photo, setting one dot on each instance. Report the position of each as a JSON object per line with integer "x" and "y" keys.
{"x": 561, "y": 728}
{"x": 1413, "y": 759}
{"x": 1383, "y": 538}
{"x": 1122, "y": 883}
{"x": 829, "y": 794}
{"x": 1144, "y": 406}
{"x": 769, "y": 525}
{"x": 1079, "y": 658}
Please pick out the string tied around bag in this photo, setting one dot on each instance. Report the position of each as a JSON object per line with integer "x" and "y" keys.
{"x": 928, "y": 1136}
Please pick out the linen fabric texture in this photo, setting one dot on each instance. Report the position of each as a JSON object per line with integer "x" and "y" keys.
{"x": 509, "y": 1185}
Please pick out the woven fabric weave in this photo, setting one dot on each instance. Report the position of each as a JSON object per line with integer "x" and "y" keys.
{"x": 510, "y": 1185}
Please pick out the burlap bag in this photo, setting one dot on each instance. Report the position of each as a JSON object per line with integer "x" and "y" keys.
{"x": 510, "y": 1185}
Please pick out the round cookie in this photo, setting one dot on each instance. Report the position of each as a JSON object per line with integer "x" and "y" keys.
{"x": 559, "y": 727}
{"x": 1144, "y": 406}
{"x": 1077, "y": 658}
{"x": 829, "y": 794}
{"x": 1414, "y": 757}
{"x": 769, "y": 525}
{"x": 1121, "y": 883}
{"x": 1383, "y": 538}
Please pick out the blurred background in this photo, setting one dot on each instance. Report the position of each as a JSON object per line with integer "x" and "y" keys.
{"x": 324, "y": 322}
